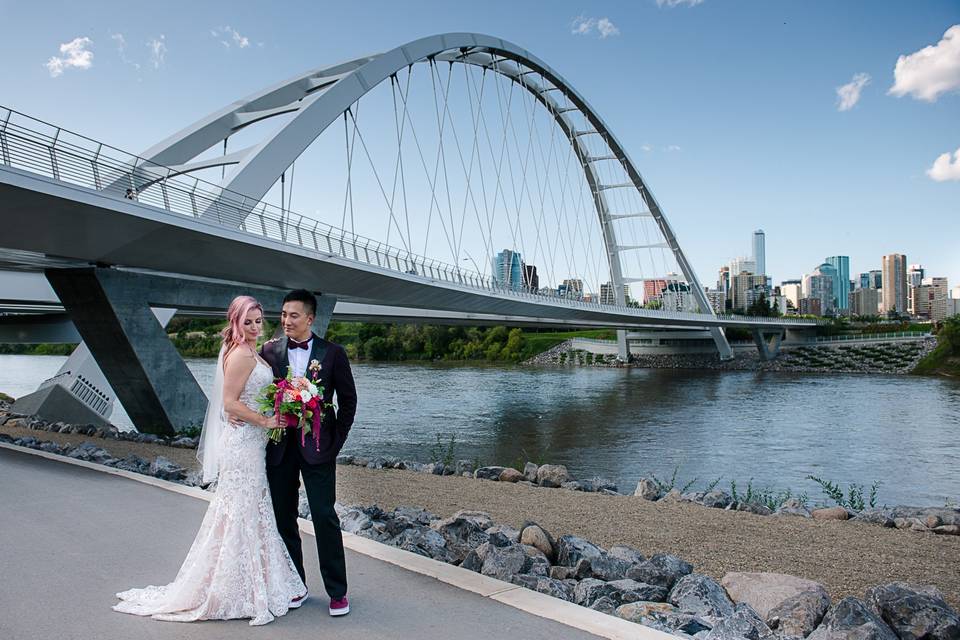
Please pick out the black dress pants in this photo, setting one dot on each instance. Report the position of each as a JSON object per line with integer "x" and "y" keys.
{"x": 320, "y": 483}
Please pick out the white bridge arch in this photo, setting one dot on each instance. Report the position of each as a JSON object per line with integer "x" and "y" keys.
{"x": 317, "y": 98}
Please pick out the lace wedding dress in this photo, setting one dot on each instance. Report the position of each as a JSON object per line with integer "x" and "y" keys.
{"x": 238, "y": 566}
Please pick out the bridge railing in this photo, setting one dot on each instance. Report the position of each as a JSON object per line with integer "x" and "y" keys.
{"x": 39, "y": 147}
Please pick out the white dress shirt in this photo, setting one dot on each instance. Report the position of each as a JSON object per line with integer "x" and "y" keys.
{"x": 300, "y": 358}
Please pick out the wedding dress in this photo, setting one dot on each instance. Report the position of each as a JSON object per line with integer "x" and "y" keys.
{"x": 238, "y": 566}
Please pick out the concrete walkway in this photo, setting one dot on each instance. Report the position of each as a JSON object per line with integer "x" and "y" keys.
{"x": 74, "y": 536}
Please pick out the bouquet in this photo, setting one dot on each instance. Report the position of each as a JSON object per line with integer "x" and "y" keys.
{"x": 296, "y": 402}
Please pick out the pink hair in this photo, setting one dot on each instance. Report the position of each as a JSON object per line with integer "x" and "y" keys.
{"x": 236, "y": 313}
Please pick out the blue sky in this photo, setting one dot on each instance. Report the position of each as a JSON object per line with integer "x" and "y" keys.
{"x": 730, "y": 109}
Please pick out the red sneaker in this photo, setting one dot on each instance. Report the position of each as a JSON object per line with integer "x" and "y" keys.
{"x": 339, "y": 606}
{"x": 297, "y": 602}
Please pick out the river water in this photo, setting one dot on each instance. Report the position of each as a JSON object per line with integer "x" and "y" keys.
{"x": 776, "y": 428}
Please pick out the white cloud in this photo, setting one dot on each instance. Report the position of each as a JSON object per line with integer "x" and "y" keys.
{"x": 122, "y": 50}
{"x": 933, "y": 70}
{"x": 944, "y": 169}
{"x": 848, "y": 95}
{"x": 678, "y": 3}
{"x": 646, "y": 148}
{"x": 158, "y": 51}
{"x": 73, "y": 55}
{"x": 228, "y": 36}
{"x": 584, "y": 26}
{"x": 673, "y": 147}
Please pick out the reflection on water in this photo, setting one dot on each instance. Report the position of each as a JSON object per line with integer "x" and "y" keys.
{"x": 776, "y": 428}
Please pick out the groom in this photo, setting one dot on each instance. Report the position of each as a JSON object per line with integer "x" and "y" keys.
{"x": 303, "y": 351}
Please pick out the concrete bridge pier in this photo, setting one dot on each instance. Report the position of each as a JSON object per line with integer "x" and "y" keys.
{"x": 768, "y": 344}
{"x": 111, "y": 310}
{"x": 623, "y": 348}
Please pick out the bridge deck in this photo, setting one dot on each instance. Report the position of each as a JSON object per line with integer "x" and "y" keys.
{"x": 74, "y": 537}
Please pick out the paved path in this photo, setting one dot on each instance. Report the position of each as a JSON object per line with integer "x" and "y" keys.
{"x": 73, "y": 537}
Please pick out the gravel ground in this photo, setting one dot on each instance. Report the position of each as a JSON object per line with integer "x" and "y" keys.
{"x": 846, "y": 557}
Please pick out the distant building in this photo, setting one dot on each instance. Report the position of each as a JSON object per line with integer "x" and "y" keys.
{"x": 652, "y": 289}
{"x": 608, "y": 294}
{"x": 723, "y": 282}
{"x": 929, "y": 300}
{"x": 677, "y": 296}
{"x": 531, "y": 281}
{"x": 759, "y": 252}
{"x": 792, "y": 291}
{"x": 571, "y": 288}
{"x": 876, "y": 279}
{"x": 841, "y": 281}
{"x": 915, "y": 276}
{"x": 894, "y": 298}
{"x": 779, "y": 302}
{"x": 865, "y": 302}
{"x": 864, "y": 282}
{"x": 819, "y": 285}
{"x": 745, "y": 289}
{"x": 507, "y": 270}
{"x": 717, "y": 300}
{"x": 811, "y": 307}
{"x": 743, "y": 265}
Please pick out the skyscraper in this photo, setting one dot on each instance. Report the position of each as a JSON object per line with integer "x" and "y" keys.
{"x": 894, "y": 283}
{"x": 531, "y": 281}
{"x": 507, "y": 269}
{"x": 841, "y": 281}
{"x": 760, "y": 252}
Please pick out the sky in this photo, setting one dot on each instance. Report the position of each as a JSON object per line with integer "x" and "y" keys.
{"x": 833, "y": 126}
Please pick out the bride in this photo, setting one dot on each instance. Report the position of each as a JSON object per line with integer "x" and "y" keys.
{"x": 238, "y": 566}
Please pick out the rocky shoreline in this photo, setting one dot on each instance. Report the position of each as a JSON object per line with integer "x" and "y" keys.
{"x": 882, "y": 358}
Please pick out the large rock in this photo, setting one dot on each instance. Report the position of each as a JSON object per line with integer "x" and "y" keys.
{"x": 831, "y": 513}
{"x": 700, "y": 595}
{"x": 530, "y": 471}
{"x": 502, "y": 535}
{"x": 355, "y": 521}
{"x": 851, "y": 618}
{"x": 423, "y": 541}
{"x": 464, "y": 530}
{"x": 799, "y": 615}
{"x": 607, "y": 567}
{"x": 764, "y": 591}
{"x": 536, "y": 536}
{"x": 881, "y": 517}
{"x": 504, "y": 562}
{"x": 744, "y": 623}
{"x": 552, "y": 475}
{"x": 914, "y": 612}
{"x": 628, "y": 554}
{"x": 510, "y": 475}
{"x": 648, "y": 489}
{"x": 793, "y": 507}
{"x": 571, "y": 549}
{"x": 549, "y": 586}
{"x": 167, "y": 469}
{"x": 716, "y": 499}
{"x": 662, "y": 616}
{"x": 489, "y": 473}
{"x": 589, "y": 590}
{"x": 662, "y": 569}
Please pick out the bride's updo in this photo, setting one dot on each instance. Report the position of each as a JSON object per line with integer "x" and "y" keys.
{"x": 236, "y": 312}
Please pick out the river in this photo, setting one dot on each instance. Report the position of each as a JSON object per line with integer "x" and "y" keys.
{"x": 776, "y": 428}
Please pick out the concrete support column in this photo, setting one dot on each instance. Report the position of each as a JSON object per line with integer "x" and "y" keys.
{"x": 768, "y": 349}
{"x": 111, "y": 310}
{"x": 623, "y": 349}
{"x": 720, "y": 339}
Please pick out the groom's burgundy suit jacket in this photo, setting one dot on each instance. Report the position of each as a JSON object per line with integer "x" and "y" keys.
{"x": 336, "y": 377}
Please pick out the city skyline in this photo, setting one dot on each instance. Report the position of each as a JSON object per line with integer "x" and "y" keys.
{"x": 803, "y": 151}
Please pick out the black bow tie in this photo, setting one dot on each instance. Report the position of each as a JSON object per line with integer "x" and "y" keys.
{"x": 293, "y": 344}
